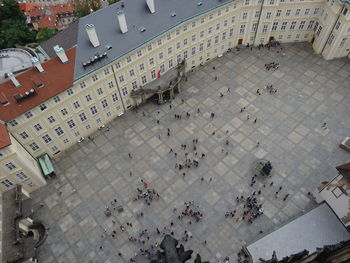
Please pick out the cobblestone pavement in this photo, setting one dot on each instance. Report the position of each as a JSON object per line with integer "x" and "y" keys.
{"x": 311, "y": 91}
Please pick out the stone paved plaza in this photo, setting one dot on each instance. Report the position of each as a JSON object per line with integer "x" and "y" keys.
{"x": 311, "y": 91}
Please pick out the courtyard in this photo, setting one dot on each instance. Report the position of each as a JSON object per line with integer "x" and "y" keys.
{"x": 310, "y": 92}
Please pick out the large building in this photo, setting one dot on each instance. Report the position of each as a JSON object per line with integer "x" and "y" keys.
{"x": 127, "y": 46}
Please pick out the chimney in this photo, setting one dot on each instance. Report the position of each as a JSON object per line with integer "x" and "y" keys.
{"x": 91, "y": 31}
{"x": 37, "y": 64}
{"x": 151, "y": 7}
{"x": 122, "y": 21}
{"x": 60, "y": 53}
{"x": 13, "y": 79}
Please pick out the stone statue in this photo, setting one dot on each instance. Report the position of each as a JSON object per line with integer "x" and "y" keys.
{"x": 174, "y": 254}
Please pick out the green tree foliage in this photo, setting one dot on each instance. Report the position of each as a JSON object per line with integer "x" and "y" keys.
{"x": 85, "y": 7}
{"x": 45, "y": 34}
{"x": 13, "y": 30}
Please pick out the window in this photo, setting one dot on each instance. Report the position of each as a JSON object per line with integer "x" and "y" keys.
{"x": 149, "y": 48}
{"x": 268, "y": 15}
{"x": 274, "y": 26}
{"x": 202, "y": 20}
{"x": 185, "y": 54}
{"x": 231, "y": 32}
{"x": 121, "y": 78}
{"x": 297, "y": 12}
{"x": 88, "y": 127}
{"x": 217, "y": 26}
{"x": 168, "y": 37}
{"x": 193, "y": 38}
{"x": 24, "y": 135}
{"x": 28, "y": 114}
{"x": 143, "y": 79}
{"x": 319, "y": 31}
{"x": 224, "y": 36}
{"x": 94, "y": 78}
{"x": 307, "y": 11}
{"x": 201, "y": 46}
{"x": 288, "y": 12}
{"x": 337, "y": 25}
{"x": 201, "y": 35}
{"x": 284, "y": 25}
{"x": 134, "y": 85}
{"x": 193, "y": 23}
{"x": 117, "y": 65}
{"x": 297, "y": 36}
{"x": 292, "y": 26}
{"x": 51, "y": 119}
{"x": 22, "y": 176}
{"x": 302, "y": 24}
{"x": 244, "y": 16}
{"x": 71, "y": 123}
{"x": 311, "y": 23}
{"x": 272, "y": 2}
{"x": 59, "y": 131}
{"x": 104, "y": 103}
{"x": 65, "y": 141}
{"x": 56, "y": 99}
{"x": 233, "y": 19}
{"x": 34, "y": 146}
{"x": 88, "y": 97}
{"x": 124, "y": 91}
{"x": 246, "y": 2}
{"x": 69, "y": 92}
{"x": 38, "y": 127}
{"x": 76, "y": 104}
{"x": 161, "y": 55}
{"x": 82, "y": 116}
{"x": 153, "y": 74}
{"x": 139, "y": 53}
{"x": 54, "y": 148}
{"x": 42, "y": 107}
{"x": 279, "y": 11}
{"x": 64, "y": 112}
{"x": 193, "y": 51}
{"x": 306, "y": 35}
{"x": 170, "y": 63}
{"x": 99, "y": 91}
{"x": 265, "y": 29}
{"x": 159, "y": 42}
{"x": 241, "y": 30}
{"x": 210, "y": 16}
{"x": 76, "y": 134}
{"x": 254, "y": 27}
{"x": 177, "y": 32}
{"x": 142, "y": 67}
{"x": 13, "y": 123}
{"x": 151, "y": 61}
{"x": 47, "y": 138}
{"x": 330, "y": 40}
{"x": 93, "y": 110}
{"x": 82, "y": 85}
{"x": 7, "y": 183}
{"x": 343, "y": 42}
{"x": 345, "y": 11}
{"x": 106, "y": 71}
{"x": 225, "y": 23}
{"x": 316, "y": 11}
{"x": 289, "y": 36}
{"x": 10, "y": 166}
{"x": 316, "y": 26}
{"x": 178, "y": 58}
{"x": 128, "y": 59}
{"x": 209, "y": 43}
{"x": 114, "y": 97}
{"x": 185, "y": 41}
{"x": 110, "y": 85}
{"x": 170, "y": 50}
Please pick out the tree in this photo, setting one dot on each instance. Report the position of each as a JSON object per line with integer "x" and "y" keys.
{"x": 85, "y": 7}
{"x": 13, "y": 30}
{"x": 45, "y": 34}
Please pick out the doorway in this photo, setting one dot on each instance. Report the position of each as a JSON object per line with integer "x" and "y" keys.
{"x": 240, "y": 41}
{"x": 271, "y": 39}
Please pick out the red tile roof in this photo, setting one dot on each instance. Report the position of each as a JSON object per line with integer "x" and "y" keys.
{"x": 4, "y": 136}
{"x": 48, "y": 15}
{"x": 26, "y": 7}
{"x": 56, "y": 78}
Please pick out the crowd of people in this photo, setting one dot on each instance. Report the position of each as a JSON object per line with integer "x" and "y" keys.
{"x": 191, "y": 210}
{"x": 272, "y": 65}
{"x": 147, "y": 194}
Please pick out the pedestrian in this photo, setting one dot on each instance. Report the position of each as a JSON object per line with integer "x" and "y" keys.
{"x": 271, "y": 184}
{"x": 130, "y": 156}
{"x": 248, "y": 117}
{"x": 120, "y": 254}
{"x": 324, "y": 126}
{"x": 257, "y": 144}
{"x": 182, "y": 101}
{"x": 255, "y": 120}
{"x": 280, "y": 188}
{"x": 258, "y": 92}
{"x": 158, "y": 122}
{"x": 285, "y": 197}
{"x": 170, "y": 106}
{"x": 216, "y": 78}
{"x": 228, "y": 90}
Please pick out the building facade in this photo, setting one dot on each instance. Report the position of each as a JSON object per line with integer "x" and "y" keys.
{"x": 107, "y": 68}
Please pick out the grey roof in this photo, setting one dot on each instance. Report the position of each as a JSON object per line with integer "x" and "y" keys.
{"x": 137, "y": 15}
{"x": 314, "y": 229}
{"x": 66, "y": 38}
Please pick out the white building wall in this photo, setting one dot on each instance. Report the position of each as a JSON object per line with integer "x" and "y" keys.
{"x": 198, "y": 40}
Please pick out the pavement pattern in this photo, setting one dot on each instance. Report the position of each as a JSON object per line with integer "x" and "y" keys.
{"x": 310, "y": 92}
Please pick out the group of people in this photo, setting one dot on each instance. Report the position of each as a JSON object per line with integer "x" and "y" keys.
{"x": 191, "y": 210}
{"x": 148, "y": 195}
{"x": 272, "y": 65}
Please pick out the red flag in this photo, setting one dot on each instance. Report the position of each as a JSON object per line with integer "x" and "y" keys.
{"x": 158, "y": 74}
